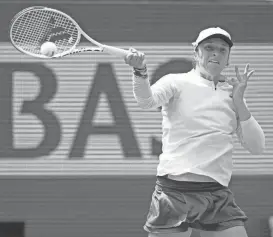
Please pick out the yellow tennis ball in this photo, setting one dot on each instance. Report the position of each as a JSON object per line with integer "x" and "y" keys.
{"x": 48, "y": 49}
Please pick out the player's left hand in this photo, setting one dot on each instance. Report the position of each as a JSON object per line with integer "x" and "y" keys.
{"x": 239, "y": 84}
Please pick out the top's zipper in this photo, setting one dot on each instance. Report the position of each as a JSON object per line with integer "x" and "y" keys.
{"x": 214, "y": 87}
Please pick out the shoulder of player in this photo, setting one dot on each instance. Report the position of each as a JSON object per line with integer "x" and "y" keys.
{"x": 176, "y": 80}
{"x": 176, "y": 77}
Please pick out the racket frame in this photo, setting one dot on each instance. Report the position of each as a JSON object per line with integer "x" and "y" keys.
{"x": 72, "y": 50}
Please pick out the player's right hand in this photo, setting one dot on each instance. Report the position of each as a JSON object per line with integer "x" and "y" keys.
{"x": 135, "y": 59}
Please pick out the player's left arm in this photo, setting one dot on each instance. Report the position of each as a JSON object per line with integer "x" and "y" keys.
{"x": 248, "y": 130}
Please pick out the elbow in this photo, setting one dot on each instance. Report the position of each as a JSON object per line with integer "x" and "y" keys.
{"x": 257, "y": 148}
{"x": 254, "y": 141}
{"x": 146, "y": 104}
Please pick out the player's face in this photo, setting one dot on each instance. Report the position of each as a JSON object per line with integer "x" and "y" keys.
{"x": 212, "y": 56}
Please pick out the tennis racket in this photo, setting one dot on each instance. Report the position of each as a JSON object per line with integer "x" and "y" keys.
{"x": 33, "y": 26}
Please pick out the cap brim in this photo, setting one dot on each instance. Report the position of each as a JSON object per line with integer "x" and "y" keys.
{"x": 223, "y": 37}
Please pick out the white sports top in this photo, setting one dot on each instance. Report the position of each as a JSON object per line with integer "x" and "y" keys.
{"x": 199, "y": 120}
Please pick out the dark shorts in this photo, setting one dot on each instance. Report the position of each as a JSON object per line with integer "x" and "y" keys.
{"x": 178, "y": 205}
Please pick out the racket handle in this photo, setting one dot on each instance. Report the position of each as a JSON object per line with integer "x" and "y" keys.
{"x": 115, "y": 51}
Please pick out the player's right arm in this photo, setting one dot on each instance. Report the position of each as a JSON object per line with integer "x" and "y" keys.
{"x": 148, "y": 96}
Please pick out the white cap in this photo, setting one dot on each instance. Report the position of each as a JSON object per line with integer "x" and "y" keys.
{"x": 213, "y": 32}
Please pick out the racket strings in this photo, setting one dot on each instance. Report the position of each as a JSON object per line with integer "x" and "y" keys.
{"x": 70, "y": 30}
{"x": 28, "y": 29}
{"x": 33, "y": 28}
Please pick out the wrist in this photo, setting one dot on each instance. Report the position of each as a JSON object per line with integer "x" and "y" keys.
{"x": 242, "y": 110}
{"x": 141, "y": 72}
{"x": 239, "y": 103}
{"x": 142, "y": 68}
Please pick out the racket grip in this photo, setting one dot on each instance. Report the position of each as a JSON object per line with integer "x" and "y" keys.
{"x": 122, "y": 53}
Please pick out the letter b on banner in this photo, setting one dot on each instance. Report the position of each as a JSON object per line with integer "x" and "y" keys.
{"x": 35, "y": 107}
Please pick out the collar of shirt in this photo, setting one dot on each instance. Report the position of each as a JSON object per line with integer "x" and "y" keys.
{"x": 207, "y": 82}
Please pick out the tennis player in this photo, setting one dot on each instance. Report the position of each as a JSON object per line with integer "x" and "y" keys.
{"x": 201, "y": 111}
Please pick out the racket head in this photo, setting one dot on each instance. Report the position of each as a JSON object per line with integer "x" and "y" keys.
{"x": 33, "y": 26}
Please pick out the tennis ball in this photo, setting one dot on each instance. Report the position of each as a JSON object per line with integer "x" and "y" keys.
{"x": 48, "y": 49}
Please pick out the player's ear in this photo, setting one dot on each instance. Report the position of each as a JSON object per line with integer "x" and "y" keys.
{"x": 195, "y": 54}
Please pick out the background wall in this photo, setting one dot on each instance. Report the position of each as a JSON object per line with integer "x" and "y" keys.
{"x": 78, "y": 157}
